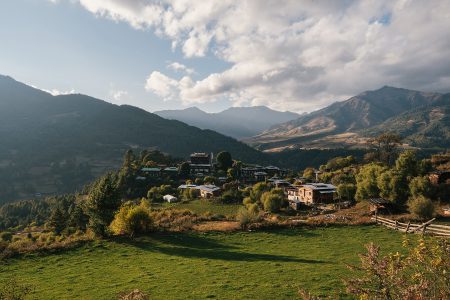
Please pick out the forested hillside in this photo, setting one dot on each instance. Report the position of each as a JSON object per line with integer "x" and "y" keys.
{"x": 55, "y": 144}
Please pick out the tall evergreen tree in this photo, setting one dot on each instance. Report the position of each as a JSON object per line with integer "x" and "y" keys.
{"x": 224, "y": 160}
{"x": 102, "y": 202}
{"x": 57, "y": 220}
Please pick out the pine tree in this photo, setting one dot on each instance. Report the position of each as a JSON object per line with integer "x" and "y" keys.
{"x": 102, "y": 202}
{"x": 57, "y": 220}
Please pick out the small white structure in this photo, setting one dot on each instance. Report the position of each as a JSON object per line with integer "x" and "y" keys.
{"x": 170, "y": 198}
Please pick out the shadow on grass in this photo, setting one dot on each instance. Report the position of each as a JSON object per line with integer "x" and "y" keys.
{"x": 298, "y": 231}
{"x": 229, "y": 255}
{"x": 193, "y": 246}
{"x": 189, "y": 240}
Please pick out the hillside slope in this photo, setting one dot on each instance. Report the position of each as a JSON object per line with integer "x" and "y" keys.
{"x": 237, "y": 122}
{"x": 420, "y": 127}
{"x": 42, "y": 134}
{"x": 339, "y": 123}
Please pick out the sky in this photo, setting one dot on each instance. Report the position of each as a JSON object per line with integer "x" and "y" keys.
{"x": 298, "y": 55}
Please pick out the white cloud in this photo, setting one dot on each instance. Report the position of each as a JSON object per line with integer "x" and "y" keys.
{"x": 118, "y": 95}
{"x": 178, "y": 67}
{"x": 292, "y": 54}
{"x": 162, "y": 85}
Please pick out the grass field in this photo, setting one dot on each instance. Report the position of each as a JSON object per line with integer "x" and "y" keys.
{"x": 242, "y": 265}
{"x": 202, "y": 206}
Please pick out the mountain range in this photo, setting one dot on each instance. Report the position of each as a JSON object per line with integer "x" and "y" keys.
{"x": 56, "y": 144}
{"x": 422, "y": 119}
{"x": 237, "y": 122}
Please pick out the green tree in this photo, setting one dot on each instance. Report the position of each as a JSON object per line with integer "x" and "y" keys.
{"x": 308, "y": 173}
{"x": 421, "y": 186}
{"x": 366, "y": 182}
{"x": 224, "y": 160}
{"x": 272, "y": 202}
{"x": 407, "y": 164}
{"x": 346, "y": 191}
{"x": 393, "y": 186}
{"x": 57, "y": 220}
{"x": 257, "y": 190}
{"x": 386, "y": 146}
{"x": 342, "y": 178}
{"x": 102, "y": 202}
{"x": 184, "y": 169}
{"x": 339, "y": 163}
{"x": 77, "y": 218}
{"x": 127, "y": 173}
{"x": 425, "y": 166}
{"x": 421, "y": 207}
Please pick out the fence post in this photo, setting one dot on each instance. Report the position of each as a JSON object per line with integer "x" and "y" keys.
{"x": 424, "y": 228}
{"x": 407, "y": 227}
{"x": 396, "y": 225}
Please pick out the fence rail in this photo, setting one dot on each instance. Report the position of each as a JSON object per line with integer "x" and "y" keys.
{"x": 427, "y": 227}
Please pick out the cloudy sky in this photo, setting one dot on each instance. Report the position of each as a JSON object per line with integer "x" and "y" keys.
{"x": 170, "y": 54}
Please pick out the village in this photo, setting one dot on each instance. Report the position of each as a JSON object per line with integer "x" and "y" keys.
{"x": 204, "y": 175}
{"x": 298, "y": 191}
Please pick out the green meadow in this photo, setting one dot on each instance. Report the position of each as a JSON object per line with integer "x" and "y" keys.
{"x": 241, "y": 265}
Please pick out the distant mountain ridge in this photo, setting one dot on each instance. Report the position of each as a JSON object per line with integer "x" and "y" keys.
{"x": 347, "y": 122}
{"x": 237, "y": 122}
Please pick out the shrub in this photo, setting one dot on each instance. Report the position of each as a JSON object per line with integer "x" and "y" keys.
{"x": 132, "y": 219}
{"x": 247, "y": 201}
{"x": 247, "y": 216}
{"x": 421, "y": 207}
{"x": 6, "y": 236}
{"x": 421, "y": 186}
{"x": 421, "y": 274}
{"x": 271, "y": 202}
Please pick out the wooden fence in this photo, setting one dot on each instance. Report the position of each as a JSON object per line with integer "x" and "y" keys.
{"x": 427, "y": 227}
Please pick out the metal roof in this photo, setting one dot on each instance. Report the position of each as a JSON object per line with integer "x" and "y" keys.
{"x": 151, "y": 169}
{"x": 171, "y": 169}
{"x": 319, "y": 186}
{"x": 188, "y": 186}
{"x": 209, "y": 188}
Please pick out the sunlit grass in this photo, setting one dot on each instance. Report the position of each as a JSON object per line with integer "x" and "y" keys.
{"x": 242, "y": 265}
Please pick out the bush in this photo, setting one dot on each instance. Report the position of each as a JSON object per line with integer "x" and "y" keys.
{"x": 421, "y": 186}
{"x": 421, "y": 207}
{"x": 421, "y": 274}
{"x": 247, "y": 201}
{"x": 271, "y": 202}
{"x": 248, "y": 215}
{"x": 6, "y": 236}
{"x": 132, "y": 219}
